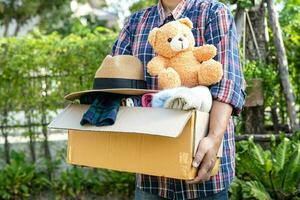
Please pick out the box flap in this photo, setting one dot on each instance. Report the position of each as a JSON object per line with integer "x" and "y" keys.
{"x": 152, "y": 121}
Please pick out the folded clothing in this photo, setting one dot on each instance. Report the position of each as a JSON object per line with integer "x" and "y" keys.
{"x": 147, "y": 99}
{"x": 105, "y": 106}
{"x": 137, "y": 101}
{"x": 131, "y": 101}
{"x": 198, "y": 98}
{"x": 103, "y": 110}
{"x": 160, "y": 98}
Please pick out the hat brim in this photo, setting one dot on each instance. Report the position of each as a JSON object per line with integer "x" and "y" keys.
{"x": 125, "y": 91}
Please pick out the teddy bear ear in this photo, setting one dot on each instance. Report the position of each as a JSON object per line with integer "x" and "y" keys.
{"x": 152, "y": 36}
{"x": 186, "y": 21}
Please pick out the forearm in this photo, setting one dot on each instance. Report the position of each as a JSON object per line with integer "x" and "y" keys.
{"x": 219, "y": 118}
{"x": 208, "y": 146}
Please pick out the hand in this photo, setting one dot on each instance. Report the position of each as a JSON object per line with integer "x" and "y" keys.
{"x": 205, "y": 157}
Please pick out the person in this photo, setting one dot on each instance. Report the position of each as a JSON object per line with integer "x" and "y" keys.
{"x": 213, "y": 24}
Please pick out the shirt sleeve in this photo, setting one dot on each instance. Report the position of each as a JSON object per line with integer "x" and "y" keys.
{"x": 123, "y": 44}
{"x": 221, "y": 32}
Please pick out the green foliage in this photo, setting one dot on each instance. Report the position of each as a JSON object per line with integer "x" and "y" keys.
{"x": 118, "y": 182}
{"x": 71, "y": 184}
{"x": 75, "y": 183}
{"x": 290, "y": 22}
{"x": 23, "y": 180}
{"x": 241, "y": 3}
{"x": 245, "y": 3}
{"x": 22, "y": 11}
{"x": 142, "y": 4}
{"x": 268, "y": 73}
{"x": 19, "y": 180}
{"x": 255, "y": 189}
{"x": 267, "y": 174}
{"x": 44, "y": 68}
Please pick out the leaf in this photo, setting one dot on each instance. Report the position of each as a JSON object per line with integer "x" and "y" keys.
{"x": 257, "y": 154}
{"x": 259, "y": 160}
{"x": 281, "y": 154}
{"x": 269, "y": 165}
{"x": 255, "y": 189}
{"x": 291, "y": 176}
{"x": 251, "y": 161}
{"x": 236, "y": 189}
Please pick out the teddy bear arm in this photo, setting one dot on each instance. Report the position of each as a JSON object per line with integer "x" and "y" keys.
{"x": 205, "y": 52}
{"x": 210, "y": 72}
{"x": 156, "y": 65}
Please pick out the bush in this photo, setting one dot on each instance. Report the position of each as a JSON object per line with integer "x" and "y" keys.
{"x": 268, "y": 174}
{"x": 23, "y": 180}
{"x": 20, "y": 179}
{"x": 71, "y": 184}
{"x": 44, "y": 68}
{"x": 75, "y": 183}
{"x": 114, "y": 183}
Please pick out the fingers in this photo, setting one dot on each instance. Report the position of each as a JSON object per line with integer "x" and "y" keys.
{"x": 206, "y": 167}
{"x": 203, "y": 148}
{"x": 198, "y": 158}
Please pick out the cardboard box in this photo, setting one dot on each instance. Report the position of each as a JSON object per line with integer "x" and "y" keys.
{"x": 153, "y": 141}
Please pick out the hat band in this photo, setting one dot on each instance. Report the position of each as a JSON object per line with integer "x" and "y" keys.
{"x": 111, "y": 83}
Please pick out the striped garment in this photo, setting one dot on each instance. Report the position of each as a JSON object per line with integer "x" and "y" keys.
{"x": 213, "y": 24}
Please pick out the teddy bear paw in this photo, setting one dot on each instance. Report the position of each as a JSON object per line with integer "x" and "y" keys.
{"x": 210, "y": 72}
{"x": 168, "y": 78}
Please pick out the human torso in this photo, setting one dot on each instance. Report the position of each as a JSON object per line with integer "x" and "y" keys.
{"x": 143, "y": 23}
{"x": 148, "y": 20}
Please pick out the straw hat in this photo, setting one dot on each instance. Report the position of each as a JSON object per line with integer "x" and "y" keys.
{"x": 122, "y": 74}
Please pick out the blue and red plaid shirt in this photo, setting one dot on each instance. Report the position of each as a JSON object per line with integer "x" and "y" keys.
{"x": 213, "y": 24}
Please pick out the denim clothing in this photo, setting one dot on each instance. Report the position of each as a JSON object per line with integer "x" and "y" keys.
{"x": 142, "y": 195}
{"x": 103, "y": 110}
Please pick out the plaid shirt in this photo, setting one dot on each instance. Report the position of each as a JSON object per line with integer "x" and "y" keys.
{"x": 213, "y": 24}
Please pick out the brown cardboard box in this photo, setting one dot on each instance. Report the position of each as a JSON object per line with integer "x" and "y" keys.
{"x": 153, "y": 141}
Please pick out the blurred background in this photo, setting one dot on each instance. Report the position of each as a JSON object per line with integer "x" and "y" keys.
{"x": 49, "y": 48}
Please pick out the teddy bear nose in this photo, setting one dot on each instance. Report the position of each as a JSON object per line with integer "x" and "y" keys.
{"x": 180, "y": 39}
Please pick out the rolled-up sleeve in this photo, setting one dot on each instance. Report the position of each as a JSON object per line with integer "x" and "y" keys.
{"x": 220, "y": 31}
{"x": 123, "y": 44}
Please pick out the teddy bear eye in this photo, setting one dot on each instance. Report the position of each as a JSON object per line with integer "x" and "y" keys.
{"x": 170, "y": 39}
{"x": 184, "y": 35}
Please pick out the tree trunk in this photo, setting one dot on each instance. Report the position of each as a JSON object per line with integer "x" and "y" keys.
{"x": 253, "y": 115}
{"x": 46, "y": 143}
{"x": 253, "y": 118}
{"x": 17, "y": 29}
{"x": 239, "y": 21}
{"x": 31, "y": 137}
{"x": 275, "y": 119}
{"x": 282, "y": 103}
{"x": 44, "y": 128}
{"x": 6, "y": 26}
{"x": 5, "y": 135}
{"x": 257, "y": 18}
{"x": 283, "y": 65}
{"x": 47, "y": 152}
{"x": 6, "y": 149}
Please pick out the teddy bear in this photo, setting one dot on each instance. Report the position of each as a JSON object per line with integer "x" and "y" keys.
{"x": 178, "y": 62}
